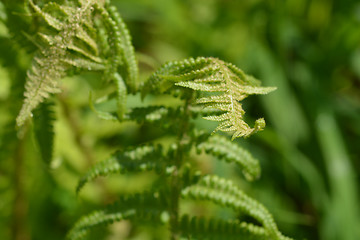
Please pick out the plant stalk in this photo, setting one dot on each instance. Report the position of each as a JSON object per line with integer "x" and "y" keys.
{"x": 175, "y": 183}
{"x": 18, "y": 225}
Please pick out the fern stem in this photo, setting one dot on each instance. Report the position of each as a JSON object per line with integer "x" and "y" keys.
{"x": 175, "y": 184}
{"x": 174, "y": 203}
{"x": 18, "y": 225}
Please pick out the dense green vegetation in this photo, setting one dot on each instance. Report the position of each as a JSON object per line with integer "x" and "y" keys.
{"x": 308, "y": 152}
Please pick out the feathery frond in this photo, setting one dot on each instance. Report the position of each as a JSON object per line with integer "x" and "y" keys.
{"x": 216, "y": 229}
{"x": 148, "y": 206}
{"x": 74, "y": 36}
{"x": 229, "y": 151}
{"x": 226, "y": 194}
{"x": 143, "y": 158}
{"x": 52, "y": 59}
{"x": 71, "y": 40}
{"x": 121, "y": 40}
{"x": 225, "y": 85}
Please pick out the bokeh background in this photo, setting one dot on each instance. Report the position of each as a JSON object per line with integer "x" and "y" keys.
{"x": 309, "y": 151}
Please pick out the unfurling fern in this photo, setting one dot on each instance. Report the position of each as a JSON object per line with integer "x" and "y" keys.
{"x": 82, "y": 36}
{"x": 225, "y": 83}
{"x": 90, "y": 35}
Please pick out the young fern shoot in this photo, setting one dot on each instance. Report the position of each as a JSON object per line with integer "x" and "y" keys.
{"x": 91, "y": 36}
{"x": 225, "y": 85}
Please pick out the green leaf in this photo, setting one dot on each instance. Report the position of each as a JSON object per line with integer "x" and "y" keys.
{"x": 44, "y": 130}
{"x": 143, "y": 158}
{"x": 224, "y": 149}
{"x": 216, "y": 229}
{"x": 149, "y": 206}
{"x": 224, "y": 193}
{"x": 128, "y": 52}
{"x": 121, "y": 51}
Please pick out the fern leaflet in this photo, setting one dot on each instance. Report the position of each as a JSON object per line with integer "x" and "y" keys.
{"x": 216, "y": 229}
{"x": 225, "y": 149}
{"x": 147, "y": 206}
{"x": 225, "y": 193}
{"x": 143, "y": 158}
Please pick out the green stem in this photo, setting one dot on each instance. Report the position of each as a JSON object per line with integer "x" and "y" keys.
{"x": 18, "y": 227}
{"x": 175, "y": 183}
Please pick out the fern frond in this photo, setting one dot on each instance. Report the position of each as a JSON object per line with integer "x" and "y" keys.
{"x": 227, "y": 150}
{"x": 122, "y": 37}
{"x": 86, "y": 223}
{"x": 44, "y": 130}
{"x": 150, "y": 207}
{"x": 122, "y": 64}
{"x": 121, "y": 95}
{"x": 226, "y": 194}
{"x": 225, "y": 84}
{"x": 216, "y": 229}
{"x": 50, "y": 63}
{"x": 75, "y": 41}
{"x": 143, "y": 158}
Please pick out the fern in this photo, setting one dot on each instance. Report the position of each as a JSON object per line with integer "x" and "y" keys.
{"x": 70, "y": 41}
{"x": 216, "y": 229}
{"x": 226, "y": 84}
{"x": 142, "y": 158}
{"x": 124, "y": 47}
{"x": 149, "y": 206}
{"x": 224, "y": 193}
{"x": 77, "y": 36}
{"x": 51, "y": 62}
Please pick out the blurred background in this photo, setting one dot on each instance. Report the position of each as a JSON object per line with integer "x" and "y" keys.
{"x": 309, "y": 151}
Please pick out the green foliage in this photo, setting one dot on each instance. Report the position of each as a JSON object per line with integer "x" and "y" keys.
{"x": 308, "y": 49}
{"x": 83, "y": 36}
{"x": 201, "y": 228}
{"x": 44, "y": 130}
{"x": 74, "y": 37}
{"x": 226, "y": 194}
{"x": 225, "y": 150}
{"x": 173, "y": 162}
{"x": 143, "y": 158}
{"x": 228, "y": 86}
{"x": 139, "y": 207}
